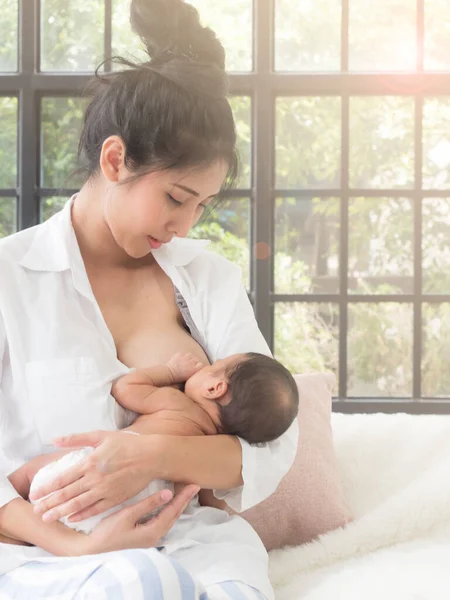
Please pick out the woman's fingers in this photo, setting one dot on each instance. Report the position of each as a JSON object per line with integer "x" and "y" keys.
{"x": 92, "y": 510}
{"x": 71, "y": 476}
{"x": 154, "y": 501}
{"x": 77, "y": 440}
{"x": 158, "y": 526}
{"x": 86, "y": 499}
{"x": 139, "y": 510}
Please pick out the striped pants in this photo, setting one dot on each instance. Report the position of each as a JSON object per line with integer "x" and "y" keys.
{"x": 123, "y": 575}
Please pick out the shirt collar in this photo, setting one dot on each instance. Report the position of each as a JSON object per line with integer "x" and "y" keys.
{"x": 55, "y": 245}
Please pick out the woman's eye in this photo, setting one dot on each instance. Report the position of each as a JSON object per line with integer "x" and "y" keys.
{"x": 173, "y": 200}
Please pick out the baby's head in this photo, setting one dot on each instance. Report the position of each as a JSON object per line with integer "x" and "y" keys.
{"x": 255, "y": 396}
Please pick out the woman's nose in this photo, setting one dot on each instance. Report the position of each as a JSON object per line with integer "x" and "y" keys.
{"x": 182, "y": 225}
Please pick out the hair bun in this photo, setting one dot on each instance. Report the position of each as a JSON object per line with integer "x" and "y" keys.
{"x": 171, "y": 29}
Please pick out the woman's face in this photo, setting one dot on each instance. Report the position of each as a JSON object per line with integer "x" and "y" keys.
{"x": 152, "y": 210}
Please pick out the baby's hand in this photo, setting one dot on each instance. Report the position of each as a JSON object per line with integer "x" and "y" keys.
{"x": 183, "y": 366}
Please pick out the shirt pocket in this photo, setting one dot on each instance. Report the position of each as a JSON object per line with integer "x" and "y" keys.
{"x": 69, "y": 395}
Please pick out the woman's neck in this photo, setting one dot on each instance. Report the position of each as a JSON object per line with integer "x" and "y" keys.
{"x": 97, "y": 244}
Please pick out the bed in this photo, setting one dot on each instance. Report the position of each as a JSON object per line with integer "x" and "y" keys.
{"x": 395, "y": 471}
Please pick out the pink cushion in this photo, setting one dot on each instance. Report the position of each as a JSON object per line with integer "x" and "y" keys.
{"x": 309, "y": 500}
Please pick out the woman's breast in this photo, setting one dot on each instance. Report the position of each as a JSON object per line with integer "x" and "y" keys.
{"x": 156, "y": 345}
{"x": 142, "y": 315}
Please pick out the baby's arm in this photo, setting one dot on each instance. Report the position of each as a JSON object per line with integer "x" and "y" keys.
{"x": 134, "y": 391}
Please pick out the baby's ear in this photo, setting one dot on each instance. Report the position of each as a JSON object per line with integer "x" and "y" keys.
{"x": 217, "y": 390}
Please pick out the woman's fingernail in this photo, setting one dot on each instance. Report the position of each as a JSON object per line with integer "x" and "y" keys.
{"x": 48, "y": 516}
{"x": 166, "y": 495}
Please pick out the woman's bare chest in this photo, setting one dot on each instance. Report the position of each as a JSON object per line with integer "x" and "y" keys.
{"x": 140, "y": 311}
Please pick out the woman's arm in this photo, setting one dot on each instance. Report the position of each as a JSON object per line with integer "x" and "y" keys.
{"x": 230, "y": 327}
{"x": 7, "y": 490}
{"x": 18, "y": 521}
{"x": 241, "y": 474}
{"x": 121, "y": 530}
{"x": 7, "y": 540}
{"x": 125, "y": 464}
{"x": 209, "y": 461}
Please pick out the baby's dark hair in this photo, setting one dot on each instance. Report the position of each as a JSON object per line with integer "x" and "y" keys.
{"x": 264, "y": 399}
{"x": 172, "y": 111}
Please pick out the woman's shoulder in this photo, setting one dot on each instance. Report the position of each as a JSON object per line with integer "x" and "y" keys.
{"x": 14, "y": 247}
{"x": 210, "y": 266}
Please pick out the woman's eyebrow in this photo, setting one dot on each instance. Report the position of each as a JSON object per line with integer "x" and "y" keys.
{"x": 189, "y": 190}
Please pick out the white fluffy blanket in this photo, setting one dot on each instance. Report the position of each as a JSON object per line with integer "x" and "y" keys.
{"x": 396, "y": 475}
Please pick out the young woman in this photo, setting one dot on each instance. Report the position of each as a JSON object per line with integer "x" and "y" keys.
{"x": 108, "y": 284}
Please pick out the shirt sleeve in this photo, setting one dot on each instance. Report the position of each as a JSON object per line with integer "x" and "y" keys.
{"x": 7, "y": 490}
{"x": 264, "y": 465}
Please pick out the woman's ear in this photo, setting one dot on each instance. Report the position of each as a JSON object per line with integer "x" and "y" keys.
{"x": 112, "y": 158}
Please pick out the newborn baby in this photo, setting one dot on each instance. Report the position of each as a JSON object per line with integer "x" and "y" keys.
{"x": 249, "y": 395}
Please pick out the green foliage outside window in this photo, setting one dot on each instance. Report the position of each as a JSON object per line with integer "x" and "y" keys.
{"x": 308, "y": 155}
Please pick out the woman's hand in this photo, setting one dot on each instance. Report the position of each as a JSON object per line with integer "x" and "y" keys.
{"x": 122, "y": 529}
{"x": 120, "y": 467}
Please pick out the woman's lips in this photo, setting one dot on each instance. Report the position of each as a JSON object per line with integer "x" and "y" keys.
{"x": 154, "y": 244}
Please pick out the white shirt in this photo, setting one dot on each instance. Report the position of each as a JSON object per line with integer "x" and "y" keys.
{"x": 58, "y": 358}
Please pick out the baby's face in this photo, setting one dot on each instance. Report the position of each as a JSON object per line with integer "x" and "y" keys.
{"x": 198, "y": 386}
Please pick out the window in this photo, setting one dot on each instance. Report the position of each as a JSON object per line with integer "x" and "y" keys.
{"x": 341, "y": 217}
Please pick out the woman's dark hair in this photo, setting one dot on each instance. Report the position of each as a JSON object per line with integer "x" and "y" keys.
{"x": 264, "y": 399}
{"x": 172, "y": 111}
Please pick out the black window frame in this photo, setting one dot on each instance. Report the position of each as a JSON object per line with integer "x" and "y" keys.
{"x": 263, "y": 85}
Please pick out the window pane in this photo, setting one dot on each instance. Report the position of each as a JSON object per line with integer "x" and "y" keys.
{"x": 124, "y": 41}
{"x": 7, "y": 216}
{"x": 380, "y": 339}
{"x": 436, "y": 143}
{"x": 308, "y": 142}
{"x": 241, "y": 106}
{"x": 61, "y": 127}
{"x": 50, "y": 206}
{"x": 308, "y": 35}
{"x": 306, "y": 336}
{"x": 382, "y": 35}
{"x": 437, "y": 40}
{"x": 9, "y": 35}
{"x": 380, "y": 246}
{"x": 72, "y": 35}
{"x": 307, "y": 245}
{"x": 436, "y": 245}
{"x": 436, "y": 350}
{"x": 228, "y": 228}
{"x": 232, "y": 23}
{"x": 381, "y": 142}
{"x": 8, "y": 142}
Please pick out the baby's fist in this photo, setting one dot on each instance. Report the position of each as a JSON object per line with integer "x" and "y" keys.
{"x": 183, "y": 366}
